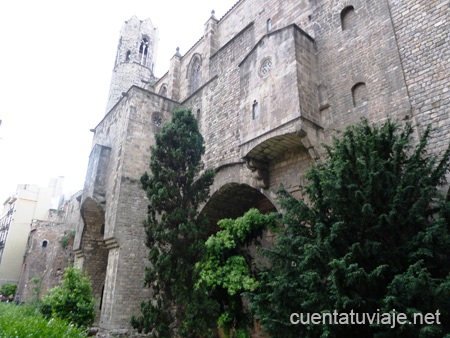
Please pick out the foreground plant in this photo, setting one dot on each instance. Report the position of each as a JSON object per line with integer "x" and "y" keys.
{"x": 26, "y": 321}
{"x": 72, "y": 300}
{"x": 176, "y": 233}
{"x": 371, "y": 235}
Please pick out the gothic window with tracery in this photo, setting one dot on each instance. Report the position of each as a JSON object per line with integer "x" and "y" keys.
{"x": 266, "y": 66}
{"x": 143, "y": 51}
{"x": 195, "y": 74}
{"x": 157, "y": 121}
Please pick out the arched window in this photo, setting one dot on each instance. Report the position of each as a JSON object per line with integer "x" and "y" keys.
{"x": 44, "y": 243}
{"x": 157, "y": 122}
{"x": 269, "y": 25}
{"x": 163, "y": 90}
{"x": 255, "y": 110}
{"x": 359, "y": 94}
{"x": 143, "y": 51}
{"x": 348, "y": 17}
{"x": 195, "y": 73}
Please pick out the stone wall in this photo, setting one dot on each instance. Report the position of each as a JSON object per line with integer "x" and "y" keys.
{"x": 422, "y": 34}
{"x": 46, "y": 258}
{"x": 110, "y": 241}
{"x": 277, "y": 79}
{"x": 49, "y": 249}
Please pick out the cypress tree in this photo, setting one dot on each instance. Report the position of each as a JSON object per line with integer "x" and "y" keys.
{"x": 175, "y": 232}
{"x": 371, "y": 235}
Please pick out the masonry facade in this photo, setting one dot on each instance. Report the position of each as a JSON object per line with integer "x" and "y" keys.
{"x": 49, "y": 249}
{"x": 269, "y": 83}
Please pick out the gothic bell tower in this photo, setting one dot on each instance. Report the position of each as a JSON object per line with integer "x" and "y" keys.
{"x": 135, "y": 58}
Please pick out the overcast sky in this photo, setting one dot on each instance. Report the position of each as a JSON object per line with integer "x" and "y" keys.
{"x": 56, "y": 59}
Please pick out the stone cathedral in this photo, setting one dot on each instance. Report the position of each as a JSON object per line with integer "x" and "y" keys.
{"x": 269, "y": 82}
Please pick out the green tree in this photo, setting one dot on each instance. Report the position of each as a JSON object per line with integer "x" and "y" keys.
{"x": 371, "y": 235}
{"x": 229, "y": 271}
{"x": 175, "y": 232}
{"x": 72, "y": 300}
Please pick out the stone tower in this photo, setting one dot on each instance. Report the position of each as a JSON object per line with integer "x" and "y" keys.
{"x": 135, "y": 58}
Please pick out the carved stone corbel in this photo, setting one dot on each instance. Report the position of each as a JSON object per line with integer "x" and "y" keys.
{"x": 260, "y": 171}
{"x": 307, "y": 144}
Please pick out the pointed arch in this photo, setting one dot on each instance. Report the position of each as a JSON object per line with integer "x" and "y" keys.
{"x": 194, "y": 73}
{"x": 143, "y": 50}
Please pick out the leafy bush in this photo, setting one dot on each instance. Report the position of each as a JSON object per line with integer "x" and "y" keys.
{"x": 72, "y": 300}
{"x": 64, "y": 241}
{"x": 8, "y": 289}
{"x": 227, "y": 270}
{"x": 25, "y": 321}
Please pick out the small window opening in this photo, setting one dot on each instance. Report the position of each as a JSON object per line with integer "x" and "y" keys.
{"x": 359, "y": 94}
{"x": 163, "y": 91}
{"x": 157, "y": 121}
{"x": 269, "y": 25}
{"x": 102, "y": 229}
{"x": 44, "y": 244}
{"x": 347, "y": 17}
{"x": 128, "y": 56}
{"x": 255, "y": 110}
{"x": 101, "y": 299}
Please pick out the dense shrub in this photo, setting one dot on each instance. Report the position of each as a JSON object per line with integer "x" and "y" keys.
{"x": 8, "y": 289}
{"x": 25, "y": 321}
{"x": 72, "y": 300}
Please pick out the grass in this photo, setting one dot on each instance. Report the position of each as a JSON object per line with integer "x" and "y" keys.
{"x": 26, "y": 321}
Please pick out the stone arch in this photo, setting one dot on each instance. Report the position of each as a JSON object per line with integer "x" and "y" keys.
{"x": 233, "y": 199}
{"x": 194, "y": 74}
{"x": 259, "y": 157}
{"x": 348, "y": 17}
{"x": 93, "y": 247}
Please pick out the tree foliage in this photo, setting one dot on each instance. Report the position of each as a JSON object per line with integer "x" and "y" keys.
{"x": 8, "y": 289}
{"x": 227, "y": 268}
{"x": 175, "y": 231}
{"x": 371, "y": 235}
{"x": 72, "y": 300}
